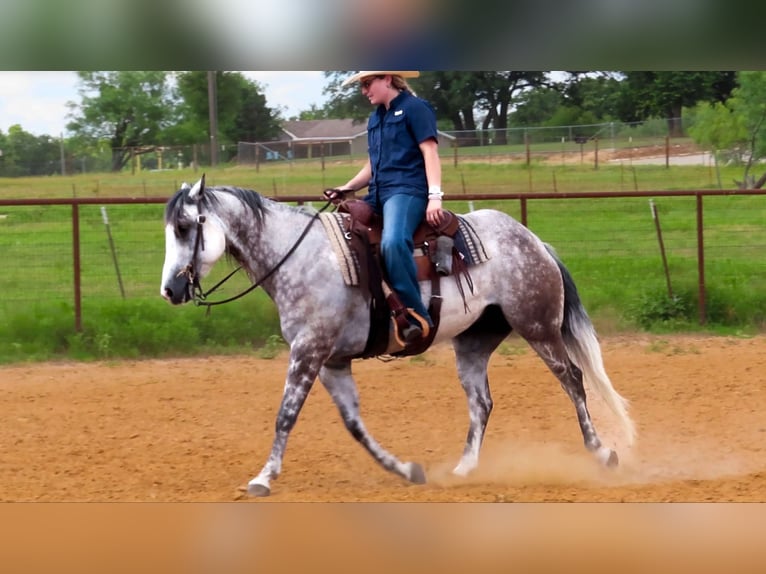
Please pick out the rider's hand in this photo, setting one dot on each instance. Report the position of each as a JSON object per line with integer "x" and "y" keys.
{"x": 434, "y": 212}
{"x": 335, "y": 194}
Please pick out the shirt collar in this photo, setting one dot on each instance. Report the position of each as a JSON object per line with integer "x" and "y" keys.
{"x": 394, "y": 103}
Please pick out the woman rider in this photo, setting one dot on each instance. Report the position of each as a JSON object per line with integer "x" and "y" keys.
{"x": 403, "y": 176}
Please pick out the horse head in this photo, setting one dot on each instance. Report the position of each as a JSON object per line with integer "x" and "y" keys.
{"x": 194, "y": 241}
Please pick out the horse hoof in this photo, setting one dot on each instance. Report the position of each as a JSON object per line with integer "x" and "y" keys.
{"x": 258, "y": 490}
{"x": 417, "y": 474}
{"x": 613, "y": 461}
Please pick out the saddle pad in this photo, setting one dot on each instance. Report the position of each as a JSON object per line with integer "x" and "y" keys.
{"x": 349, "y": 266}
{"x": 467, "y": 242}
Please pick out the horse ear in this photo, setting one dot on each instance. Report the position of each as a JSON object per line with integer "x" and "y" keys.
{"x": 198, "y": 189}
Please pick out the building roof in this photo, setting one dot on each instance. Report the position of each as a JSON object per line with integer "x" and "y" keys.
{"x": 323, "y": 129}
{"x": 328, "y": 130}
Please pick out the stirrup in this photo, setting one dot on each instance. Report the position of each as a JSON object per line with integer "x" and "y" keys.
{"x": 414, "y": 331}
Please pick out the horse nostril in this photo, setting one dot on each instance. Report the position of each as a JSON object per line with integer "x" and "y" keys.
{"x": 168, "y": 293}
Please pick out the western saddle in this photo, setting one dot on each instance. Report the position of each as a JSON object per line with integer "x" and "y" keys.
{"x": 435, "y": 256}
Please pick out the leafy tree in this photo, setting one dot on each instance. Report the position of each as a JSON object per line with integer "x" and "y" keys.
{"x": 665, "y": 94}
{"x": 748, "y": 104}
{"x": 344, "y": 102}
{"x": 314, "y": 113}
{"x": 129, "y": 109}
{"x": 24, "y": 154}
{"x": 738, "y": 125}
{"x": 497, "y": 92}
{"x": 459, "y": 98}
{"x": 536, "y": 107}
{"x": 243, "y": 113}
{"x": 597, "y": 93}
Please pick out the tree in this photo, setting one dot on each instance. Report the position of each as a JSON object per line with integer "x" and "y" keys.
{"x": 536, "y": 107}
{"x": 128, "y": 109}
{"x": 738, "y": 125}
{"x": 665, "y": 94}
{"x": 24, "y": 154}
{"x": 243, "y": 113}
{"x": 497, "y": 92}
{"x": 598, "y": 94}
{"x": 749, "y": 105}
{"x": 344, "y": 102}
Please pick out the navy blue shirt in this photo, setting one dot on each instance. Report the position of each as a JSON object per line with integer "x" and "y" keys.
{"x": 393, "y": 137}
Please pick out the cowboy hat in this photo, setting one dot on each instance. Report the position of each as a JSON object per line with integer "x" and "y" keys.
{"x": 359, "y": 75}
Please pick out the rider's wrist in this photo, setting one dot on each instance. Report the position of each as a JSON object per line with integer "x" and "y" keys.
{"x": 435, "y": 192}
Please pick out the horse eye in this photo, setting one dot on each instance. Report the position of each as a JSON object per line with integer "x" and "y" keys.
{"x": 182, "y": 229}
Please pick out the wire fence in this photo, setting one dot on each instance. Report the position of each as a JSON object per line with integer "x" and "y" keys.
{"x": 99, "y": 252}
{"x": 568, "y": 143}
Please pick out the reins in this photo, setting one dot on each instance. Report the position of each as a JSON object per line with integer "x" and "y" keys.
{"x": 200, "y": 297}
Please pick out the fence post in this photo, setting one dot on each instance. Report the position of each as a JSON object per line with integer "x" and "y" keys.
{"x": 667, "y": 151}
{"x": 595, "y": 155}
{"x": 701, "y": 262}
{"x": 76, "y": 266}
{"x": 526, "y": 146}
{"x": 321, "y": 153}
{"x": 523, "y": 202}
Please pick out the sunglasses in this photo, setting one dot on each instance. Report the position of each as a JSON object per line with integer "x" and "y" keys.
{"x": 367, "y": 82}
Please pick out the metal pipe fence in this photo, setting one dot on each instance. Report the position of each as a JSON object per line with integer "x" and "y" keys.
{"x": 58, "y": 250}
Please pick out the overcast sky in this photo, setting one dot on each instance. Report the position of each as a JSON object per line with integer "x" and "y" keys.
{"x": 37, "y": 100}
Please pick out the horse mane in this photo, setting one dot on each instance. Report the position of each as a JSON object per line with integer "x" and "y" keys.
{"x": 210, "y": 200}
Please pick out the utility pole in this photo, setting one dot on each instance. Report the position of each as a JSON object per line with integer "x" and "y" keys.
{"x": 212, "y": 98}
{"x": 63, "y": 157}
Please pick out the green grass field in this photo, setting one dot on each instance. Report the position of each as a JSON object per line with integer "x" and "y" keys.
{"x": 610, "y": 246}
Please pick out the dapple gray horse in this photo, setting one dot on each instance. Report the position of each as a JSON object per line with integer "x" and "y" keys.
{"x": 522, "y": 287}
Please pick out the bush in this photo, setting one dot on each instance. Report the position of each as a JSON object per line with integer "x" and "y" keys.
{"x": 657, "y": 308}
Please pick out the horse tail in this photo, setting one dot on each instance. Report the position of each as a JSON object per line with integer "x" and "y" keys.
{"x": 582, "y": 345}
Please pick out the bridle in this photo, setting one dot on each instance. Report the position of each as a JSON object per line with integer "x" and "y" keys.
{"x": 190, "y": 272}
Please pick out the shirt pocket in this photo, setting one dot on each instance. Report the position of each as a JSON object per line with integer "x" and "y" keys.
{"x": 396, "y": 134}
{"x": 373, "y": 135}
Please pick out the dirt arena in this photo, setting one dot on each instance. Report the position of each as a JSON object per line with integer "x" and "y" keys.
{"x": 199, "y": 429}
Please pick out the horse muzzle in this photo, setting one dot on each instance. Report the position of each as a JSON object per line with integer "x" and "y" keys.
{"x": 178, "y": 290}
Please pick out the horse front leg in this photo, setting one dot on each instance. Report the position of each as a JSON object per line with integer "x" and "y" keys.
{"x": 339, "y": 382}
{"x": 301, "y": 374}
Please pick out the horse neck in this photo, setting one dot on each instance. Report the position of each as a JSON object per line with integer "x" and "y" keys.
{"x": 262, "y": 246}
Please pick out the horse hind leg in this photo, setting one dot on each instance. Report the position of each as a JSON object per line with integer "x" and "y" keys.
{"x": 553, "y": 352}
{"x": 339, "y": 382}
{"x": 473, "y": 349}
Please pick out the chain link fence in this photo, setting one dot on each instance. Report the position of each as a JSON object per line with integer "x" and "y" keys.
{"x": 565, "y": 143}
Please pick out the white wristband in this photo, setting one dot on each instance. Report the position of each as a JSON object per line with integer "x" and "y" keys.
{"x": 435, "y": 192}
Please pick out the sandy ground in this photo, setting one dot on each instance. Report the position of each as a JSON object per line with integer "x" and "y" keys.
{"x": 199, "y": 429}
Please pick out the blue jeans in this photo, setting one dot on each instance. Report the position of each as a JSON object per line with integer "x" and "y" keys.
{"x": 402, "y": 214}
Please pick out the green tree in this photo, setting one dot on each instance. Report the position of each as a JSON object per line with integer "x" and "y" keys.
{"x": 665, "y": 94}
{"x": 497, "y": 92}
{"x": 749, "y": 104}
{"x": 128, "y": 109}
{"x": 459, "y": 98}
{"x": 243, "y": 113}
{"x": 738, "y": 125}
{"x": 24, "y": 154}
{"x": 597, "y": 94}
{"x": 536, "y": 107}
{"x": 314, "y": 113}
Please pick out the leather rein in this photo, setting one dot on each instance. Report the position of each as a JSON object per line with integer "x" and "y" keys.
{"x": 200, "y": 297}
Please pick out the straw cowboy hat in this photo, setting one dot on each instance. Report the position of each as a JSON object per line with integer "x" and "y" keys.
{"x": 360, "y": 75}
